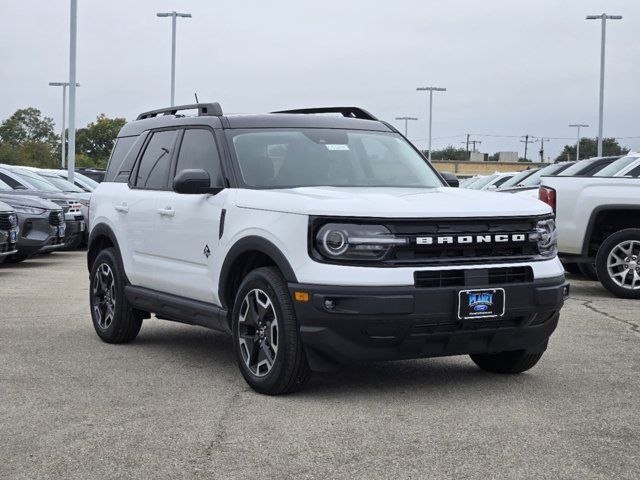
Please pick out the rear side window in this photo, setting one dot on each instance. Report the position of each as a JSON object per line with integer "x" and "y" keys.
{"x": 633, "y": 173}
{"x": 155, "y": 164}
{"x": 11, "y": 182}
{"x": 120, "y": 162}
{"x": 198, "y": 150}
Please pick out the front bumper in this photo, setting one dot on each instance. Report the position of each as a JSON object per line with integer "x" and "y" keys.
{"x": 8, "y": 239}
{"x": 38, "y": 235}
{"x": 388, "y": 323}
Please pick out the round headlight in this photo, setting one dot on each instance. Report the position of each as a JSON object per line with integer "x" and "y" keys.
{"x": 334, "y": 242}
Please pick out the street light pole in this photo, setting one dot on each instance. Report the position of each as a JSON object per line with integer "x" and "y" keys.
{"x": 406, "y": 123}
{"x": 430, "y": 90}
{"x": 578, "y": 126}
{"x": 73, "y": 22}
{"x": 174, "y": 15}
{"x": 63, "y": 135}
{"x": 604, "y": 17}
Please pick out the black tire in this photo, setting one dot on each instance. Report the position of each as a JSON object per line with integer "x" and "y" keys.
{"x": 73, "y": 244}
{"x": 288, "y": 370}
{"x": 571, "y": 268}
{"x": 125, "y": 321}
{"x": 588, "y": 270}
{"x": 506, "y": 362}
{"x": 607, "y": 277}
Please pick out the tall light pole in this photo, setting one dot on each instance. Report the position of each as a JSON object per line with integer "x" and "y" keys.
{"x": 73, "y": 22}
{"x": 604, "y": 17}
{"x": 406, "y": 123}
{"x": 174, "y": 15}
{"x": 63, "y": 135}
{"x": 430, "y": 90}
{"x": 578, "y": 126}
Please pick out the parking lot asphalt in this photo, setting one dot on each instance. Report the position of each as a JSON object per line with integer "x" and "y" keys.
{"x": 173, "y": 404}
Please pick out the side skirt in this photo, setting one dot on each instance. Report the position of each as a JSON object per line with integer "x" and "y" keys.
{"x": 178, "y": 309}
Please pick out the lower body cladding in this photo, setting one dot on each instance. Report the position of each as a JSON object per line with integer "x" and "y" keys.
{"x": 342, "y": 325}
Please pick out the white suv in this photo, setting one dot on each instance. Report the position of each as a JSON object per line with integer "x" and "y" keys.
{"x": 317, "y": 240}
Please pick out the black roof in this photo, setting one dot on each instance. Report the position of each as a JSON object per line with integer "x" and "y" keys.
{"x": 333, "y": 117}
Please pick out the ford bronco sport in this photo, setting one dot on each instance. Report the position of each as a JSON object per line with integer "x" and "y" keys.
{"x": 317, "y": 237}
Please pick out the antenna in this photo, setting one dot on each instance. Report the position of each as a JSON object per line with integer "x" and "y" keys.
{"x": 195, "y": 94}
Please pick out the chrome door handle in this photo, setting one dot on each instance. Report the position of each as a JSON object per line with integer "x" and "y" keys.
{"x": 167, "y": 212}
{"x": 122, "y": 208}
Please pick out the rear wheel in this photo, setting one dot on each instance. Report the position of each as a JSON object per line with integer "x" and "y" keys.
{"x": 618, "y": 263}
{"x": 74, "y": 244}
{"x": 114, "y": 319}
{"x": 506, "y": 362}
{"x": 266, "y": 338}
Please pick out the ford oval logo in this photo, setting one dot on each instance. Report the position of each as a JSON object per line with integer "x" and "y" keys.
{"x": 480, "y": 308}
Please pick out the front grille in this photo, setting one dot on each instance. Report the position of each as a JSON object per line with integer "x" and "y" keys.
{"x": 415, "y": 253}
{"x": 8, "y": 221}
{"x": 56, "y": 218}
{"x": 473, "y": 277}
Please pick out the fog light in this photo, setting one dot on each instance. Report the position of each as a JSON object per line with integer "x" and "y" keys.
{"x": 329, "y": 304}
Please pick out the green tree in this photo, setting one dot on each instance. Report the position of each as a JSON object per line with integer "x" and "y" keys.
{"x": 27, "y": 138}
{"x": 589, "y": 148}
{"x": 95, "y": 141}
{"x": 448, "y": 153}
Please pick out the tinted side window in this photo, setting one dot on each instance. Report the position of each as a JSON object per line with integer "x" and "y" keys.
{"x": 116, "y": 162}
{"x": 634, "y": 172}
{"x": 153, "y": 172}
{"x": 11, "y": 182}
{"x": 198, "y": 150}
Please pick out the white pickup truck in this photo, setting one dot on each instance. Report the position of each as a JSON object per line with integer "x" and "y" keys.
{"x": 598, "y": 221}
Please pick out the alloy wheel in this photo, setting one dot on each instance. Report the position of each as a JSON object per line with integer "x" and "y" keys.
{"x": 258, "y": 332}
{"x": 103, "y": 296}
{"x": 623, "y": 264}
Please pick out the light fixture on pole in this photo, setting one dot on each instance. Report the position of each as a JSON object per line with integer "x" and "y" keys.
{"x": 603, "y": 17}
{"x": 578, "y": 126}
{"x": 406, "y": 123}
{"x": 430, "y": 90}
{"x": 73, "y": 23}
{"x": 174, "y": 15}
{"x": 63, "y": 136}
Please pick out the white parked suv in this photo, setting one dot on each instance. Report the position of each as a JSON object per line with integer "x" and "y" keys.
{"x": 317, "y": 237}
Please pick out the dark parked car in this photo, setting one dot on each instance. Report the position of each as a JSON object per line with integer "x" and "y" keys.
{"x": 8, "y": 231}
{"x": 41, "y": 226}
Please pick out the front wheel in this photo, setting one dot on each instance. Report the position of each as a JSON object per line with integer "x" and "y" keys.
{"x": 266, "y": 339}
{"x": 618, "y": 263}
{"x": 506, "y": 362}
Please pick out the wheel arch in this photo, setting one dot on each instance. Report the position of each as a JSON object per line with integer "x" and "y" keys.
{"x": 245, "y": 255}
{"x": 101, "y": 237}
{"x": 613, "y": 212}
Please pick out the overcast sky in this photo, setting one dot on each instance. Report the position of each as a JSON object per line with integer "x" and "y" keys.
{"x": 510, "y": 67}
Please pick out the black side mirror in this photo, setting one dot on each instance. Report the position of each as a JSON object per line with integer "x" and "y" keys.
{"x": 193, "y": 181}
{"x": 451, "y": 179}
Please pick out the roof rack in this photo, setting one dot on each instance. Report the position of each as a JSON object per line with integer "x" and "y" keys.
{"x": 204, "y": 110}
{"x": 351, "y": 112}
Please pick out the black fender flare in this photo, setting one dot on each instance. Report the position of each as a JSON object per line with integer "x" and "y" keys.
{"x": 253, "y": 243}
{"x": 592, "y": 222}
{"x": 100, "y": 230}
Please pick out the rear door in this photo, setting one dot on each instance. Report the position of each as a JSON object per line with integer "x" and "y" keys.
{"x": 188, "y": 226}
{"x": 138, "y": 206}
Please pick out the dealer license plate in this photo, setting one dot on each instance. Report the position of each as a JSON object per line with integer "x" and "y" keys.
{"x": 485, "y": 303}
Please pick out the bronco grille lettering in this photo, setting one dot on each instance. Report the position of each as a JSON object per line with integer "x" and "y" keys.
{"x": 472, "y": 239}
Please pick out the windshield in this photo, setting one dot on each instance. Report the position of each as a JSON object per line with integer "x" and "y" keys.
{"x": 89, "y": 182}
{"x": 36, "y": 181}
{"x": 483, "y": 181}
{"x": 576, "y": 167}
{"x": 534, "y": 179}
{"x": 615, "y": 167}
{"x": 62, "y": 184}
{"x": 4, "y": 186}
{"x": 283, "y": 158}
{"x": 516, "y": 179}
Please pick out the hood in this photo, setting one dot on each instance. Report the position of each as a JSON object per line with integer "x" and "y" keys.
{"x": 390, "y": 202}
{"x": 52, "y": 196}
{"x": 28, "y": 201}
{"x": 4, "y": 207}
